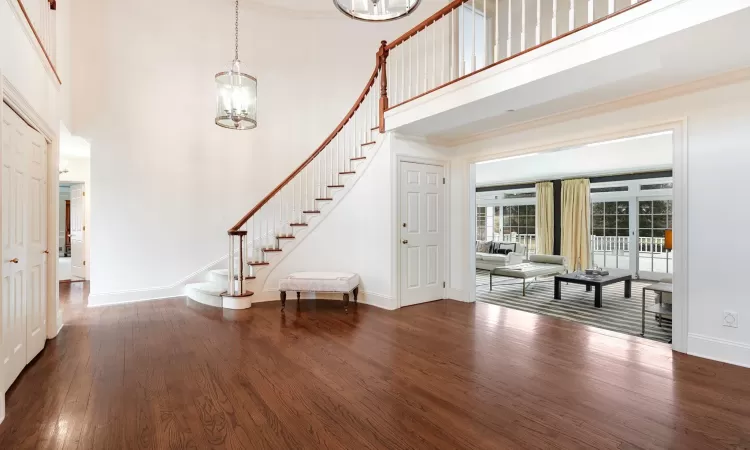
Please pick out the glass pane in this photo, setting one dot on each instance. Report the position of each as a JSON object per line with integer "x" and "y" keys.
{"x": 644, "y": 222}
{"x": 610, "y": 232}
{"x": 497, "y": 210}
{"x": 598, "y": 222}
{"x": 623, "y": 207}
{"x": 660, "y": 206}
{"x": 598, "y": 232}
{"x": 660, "y": 222}
{"x": 522, "y": 210}
{"x": 669, "y": 221}
{"x": 610, "y": 207}
{"x": 623, "y": 222}
{"x": 513, "y": 221}
{"x": 531, "y": 210}
{"x": 514, "y": 210}
{"x": 644, "y": 207}
{"x": 622, "y": 232}
{"x": 659, "y": 234}
{"x": 521, "y": 221}
{"x": 598, "y": 208}
{"x": 610, "y": 221}
{"x": 530, "y": 221}
{"x": 506, "y": 210}
{"x": 644, "y": 233}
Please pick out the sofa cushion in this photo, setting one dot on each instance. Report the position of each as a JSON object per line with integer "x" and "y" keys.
{"x": 484, "y": 247}
{"x": 549, "y": 259}
{"x": 319, "y": 282}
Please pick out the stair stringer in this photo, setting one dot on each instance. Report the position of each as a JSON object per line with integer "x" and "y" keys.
{"x": 265, "y": 293}
{"x": 262, "y": 272}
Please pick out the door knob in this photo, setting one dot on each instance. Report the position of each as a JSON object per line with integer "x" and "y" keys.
{"x": 404, "y": 241}
{"x": 14, "y": 260}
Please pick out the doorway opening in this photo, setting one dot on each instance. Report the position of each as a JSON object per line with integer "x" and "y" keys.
{"x": 72, "y": 228}
{"x": 581, "y": 233}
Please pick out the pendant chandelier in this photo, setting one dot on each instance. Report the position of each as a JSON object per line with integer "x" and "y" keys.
{"x": 236, "y": 92}
{"x": 376, "y": 10}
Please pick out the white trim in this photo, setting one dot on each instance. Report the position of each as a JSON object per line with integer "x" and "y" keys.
{"x": 134, "y": 296}
{"x": 23, "y": 108}
{"x": 398, "y": 158}
{"x": 680, "y": 201}
{"x": 723, "y": 350}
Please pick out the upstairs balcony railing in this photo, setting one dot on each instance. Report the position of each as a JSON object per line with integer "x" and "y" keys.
{"x": 463, "y": 38}
{"x": 41, "y": 17}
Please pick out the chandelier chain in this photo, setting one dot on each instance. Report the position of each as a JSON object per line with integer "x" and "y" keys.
{"x": 237, "y": 30}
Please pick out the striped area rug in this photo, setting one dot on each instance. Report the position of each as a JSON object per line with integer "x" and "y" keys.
{"x": 617, "y": 313}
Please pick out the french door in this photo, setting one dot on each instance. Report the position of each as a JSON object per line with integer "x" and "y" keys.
{"x": 655, "y": 261}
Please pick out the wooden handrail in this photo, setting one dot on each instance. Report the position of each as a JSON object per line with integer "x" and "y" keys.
{"x": 426, "y": 23}
{"x": 325, "y": 143}
{"x": 39, "y": 39}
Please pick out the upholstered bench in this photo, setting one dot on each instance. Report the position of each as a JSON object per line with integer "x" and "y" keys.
{"x": 338, "y": 282}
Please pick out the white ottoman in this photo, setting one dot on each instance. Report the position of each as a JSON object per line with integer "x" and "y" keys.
{"x": 344, "y": 282}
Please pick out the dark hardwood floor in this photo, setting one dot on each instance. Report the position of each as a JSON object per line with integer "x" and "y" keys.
{"x": 175, "y": 374}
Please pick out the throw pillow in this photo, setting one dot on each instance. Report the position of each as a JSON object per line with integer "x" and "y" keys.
{"x": 511, "y": 247}
{"x": 484, "y": 247}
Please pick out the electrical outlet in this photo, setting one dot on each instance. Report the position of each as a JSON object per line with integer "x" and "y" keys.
{"x": 731, "y": 319}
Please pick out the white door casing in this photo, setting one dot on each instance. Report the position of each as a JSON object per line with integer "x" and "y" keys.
{"x": 421, "y": 221}
{"x": 14, "y": 247}
{"x": 77, "y": 233}
{"x": 36, "y": 251}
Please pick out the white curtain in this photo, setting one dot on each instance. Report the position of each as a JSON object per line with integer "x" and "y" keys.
{"x": 576, "y": 211}
{"x": 545, "y": 218}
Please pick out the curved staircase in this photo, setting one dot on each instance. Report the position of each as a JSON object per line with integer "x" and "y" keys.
{"x": 289, "y": 213}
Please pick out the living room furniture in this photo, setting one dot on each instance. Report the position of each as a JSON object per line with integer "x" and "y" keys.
{"x": 488, "y": 260}
{"x": 537, "y": 266}
{"x": 659, "y": 308}
{"x": 320, "y": 282}
{"x": 595, "y": 281}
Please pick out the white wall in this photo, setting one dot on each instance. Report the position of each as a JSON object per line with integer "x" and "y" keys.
{"x": 718, "y": 141}
{"x": 630, "y": 156}
{"x": 168, "y": 183}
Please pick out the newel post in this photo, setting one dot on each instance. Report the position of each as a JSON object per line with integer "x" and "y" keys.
{"x": 382, "y": 58}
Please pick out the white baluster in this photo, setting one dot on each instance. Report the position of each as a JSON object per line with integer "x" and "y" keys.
{"x": 497, "y": 32}
{"x": 484, "y": 28}
{"x": 538, "y": 36}
{"x": 554, "y": 18}
{"x": 434, "y": 54}
{"x": 590, "y": 11}
{"x": 473, "y": 36}
{"x": 523, "y": 25}
{"x": 402, "y": 95}
{"x": 230, "y": 266}
{"x": 411, "y": 46}
{"x": 417, "y": 74}
{"x": 509, "y": 41}
{"x": 572, "y": 15}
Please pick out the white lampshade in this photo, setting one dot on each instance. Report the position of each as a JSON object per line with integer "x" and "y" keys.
{"x": 236, "y": 99}
{"x": 376, "y": 10}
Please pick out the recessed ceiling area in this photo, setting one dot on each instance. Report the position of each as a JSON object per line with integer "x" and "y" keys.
{"x": 324, "y": 7}
{"x": 643, "y": 153}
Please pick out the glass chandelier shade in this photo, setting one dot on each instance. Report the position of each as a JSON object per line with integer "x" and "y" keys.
{"x": 376, "y": 10}
{"x": 236, "y": 92}
{"x": 236, "y": 99}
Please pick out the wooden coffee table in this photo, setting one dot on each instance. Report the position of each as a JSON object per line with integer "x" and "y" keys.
{"x": 615, "y": 276}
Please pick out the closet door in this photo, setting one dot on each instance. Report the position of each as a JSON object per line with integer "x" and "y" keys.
{"x": 14, "y": 269}
{"x": 36, "y": 232}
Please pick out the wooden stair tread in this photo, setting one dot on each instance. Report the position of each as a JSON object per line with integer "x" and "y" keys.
{"x": 358, "y": 158}
{"x": 297, "y": 224}
{"x": 311, "y": 212}
{"x": 284, "y": 237}
{"x": 351, "y": 172}
{"x": 374, "y": 128}
{"x": 271, "y": 249}
{"x": 336, "y": 186}
{"x": 327, "y": 199}
{"x": 257, "y": 263}
{"x": 368, "y": 143}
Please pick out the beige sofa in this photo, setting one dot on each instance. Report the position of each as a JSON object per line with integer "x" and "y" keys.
{"x": 489, "y": 261}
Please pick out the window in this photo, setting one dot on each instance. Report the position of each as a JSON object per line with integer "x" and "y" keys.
{"x": 652, "y": 187}
{"x": 520, "y": 219}
{"x": 654, "y": 217}
{"x": 481, "y": 223}
{"x": 609, "y": 189}
{"x": 610, "y": 218}
{"x": 520, "y": 195}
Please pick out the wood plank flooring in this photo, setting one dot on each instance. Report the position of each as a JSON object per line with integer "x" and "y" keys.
{"x": 172, "y": 374}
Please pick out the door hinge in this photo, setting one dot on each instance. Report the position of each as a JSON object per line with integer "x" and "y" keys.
{"x": 84, "y": 228}
{"x": 443, "y": 283}
{"x": 443, "y": 180}
{"x": 84, "y": 194}
{"x": 84, "y": 263}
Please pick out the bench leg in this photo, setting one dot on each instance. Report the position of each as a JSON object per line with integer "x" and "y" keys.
{"x": 490, "y": 281}
{"x": 356, "y": 291}
{"x": 283, "y": 300}
{"x": 298, "y": 301}
{"x": 346, "y": 302}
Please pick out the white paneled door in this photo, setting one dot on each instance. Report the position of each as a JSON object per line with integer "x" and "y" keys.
{"x": 77, "y": 233}
{"x": 422, "y": 233}
{"x": 24, "y": 231}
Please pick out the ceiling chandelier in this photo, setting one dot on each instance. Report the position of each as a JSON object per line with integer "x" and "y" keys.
{"x": 236, "y": 92}
{"x": 376, "y": 10}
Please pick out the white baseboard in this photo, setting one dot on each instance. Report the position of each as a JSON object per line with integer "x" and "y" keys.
{"x": 366, "y": 298}
{"x": 730, "y": 352}
{"x": 135, "y": 295}
{"x": 457, "y": 294}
